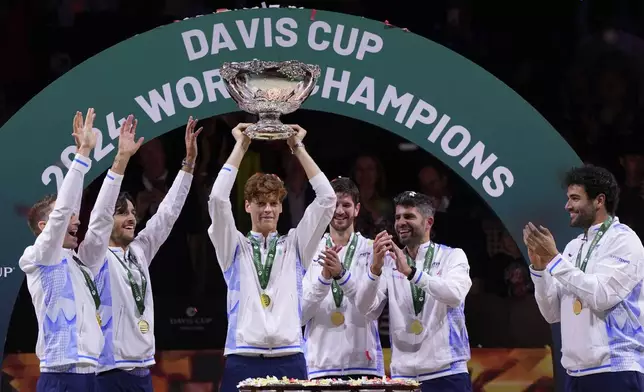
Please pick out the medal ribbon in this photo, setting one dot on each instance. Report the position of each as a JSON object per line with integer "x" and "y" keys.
{"x": 263, "y": 272}
{"x": 138, "y": 293}
{"x": 600, "y": 233}
{"x": 338, "y": 294}
{"x": 417, "y": 293}
{"x": 90, "y": 283}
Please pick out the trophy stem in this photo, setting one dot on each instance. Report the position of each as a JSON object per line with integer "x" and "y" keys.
{"x": 269, "y": 117}
{"x": 269, "y": 127}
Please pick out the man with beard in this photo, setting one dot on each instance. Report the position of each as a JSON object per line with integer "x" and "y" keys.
{"x": 340, "y": 341}
{"x": 426, "y": 284}
{"x": 60, "y": 280}
{"x": 593, "y": 287}
{"x": 124, "y": 282}
{"x": 264, "y": 270}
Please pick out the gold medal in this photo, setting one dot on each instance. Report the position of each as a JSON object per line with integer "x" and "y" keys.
{"x": 98, "y": 318}
{"x": 266, "y": 300}
{"x": 337, "y": 318}
{"x": 576, "y": 306}
{"x": 144, "y": 327}
{"x": 416, "y": 327}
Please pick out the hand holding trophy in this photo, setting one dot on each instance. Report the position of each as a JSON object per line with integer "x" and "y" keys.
{"x": 240, "y": 135}
{"x": 295, "y": 140}
{"x": 269, "y": 89}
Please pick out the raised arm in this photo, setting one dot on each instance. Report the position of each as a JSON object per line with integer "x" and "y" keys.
{"x": 223, "y": 231}
{"x": 158, "y": 228}
{"x": 615, "y": 274}
{"x": 94, "y": 246}
{"x": 49, "y": 242}
{"x": 77, "y": 132}
{"x": 452, "y": 286}
{"x": 319, "y": 213}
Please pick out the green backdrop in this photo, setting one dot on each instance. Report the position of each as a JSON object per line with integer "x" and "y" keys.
{"x": 382, "y": 75}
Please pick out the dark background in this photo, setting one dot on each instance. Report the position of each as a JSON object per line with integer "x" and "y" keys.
{"x": 579, "y": 63}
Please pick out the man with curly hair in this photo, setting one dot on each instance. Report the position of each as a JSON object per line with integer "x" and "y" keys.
{"x": 263, "y": 269}
{"x": 593, "y": 287}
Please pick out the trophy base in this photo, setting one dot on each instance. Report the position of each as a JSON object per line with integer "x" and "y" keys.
{"x": 269, "y": 130}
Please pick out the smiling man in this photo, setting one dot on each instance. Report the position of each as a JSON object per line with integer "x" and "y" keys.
{"x": 594, "y": 288}
{"x": 124, "y": 281}
{"x": 340, "y": 341}
{"x": 60, "y": 280}
{"x": 426, "y": 284}
{"x": 263, "y": 269}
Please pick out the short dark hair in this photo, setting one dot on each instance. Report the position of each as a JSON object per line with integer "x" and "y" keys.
{"x": 39, "y": 212}
{"x": 121, "y": 203}
{"x": 346, "y": 186}
{"x": 596, "y": 181}
{"x": 415, "y": 199}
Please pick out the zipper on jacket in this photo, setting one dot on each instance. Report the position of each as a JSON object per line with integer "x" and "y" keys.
{"x": 81, "y": 319}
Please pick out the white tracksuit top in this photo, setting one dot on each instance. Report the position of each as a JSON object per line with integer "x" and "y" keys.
{"x": 442, "y": 348}
{"x": 353, "y": 347}
{"x": 126, "y": 346}
{"x": 253, "y": 329}
{"x": 69, "y": 335}
{"x": 607, "y": 335}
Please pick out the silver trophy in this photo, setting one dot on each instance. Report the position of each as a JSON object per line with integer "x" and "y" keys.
{"x": 269, "y": 89}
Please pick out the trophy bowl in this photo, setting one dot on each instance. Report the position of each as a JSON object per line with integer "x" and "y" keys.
{"x": 269, "y": 89}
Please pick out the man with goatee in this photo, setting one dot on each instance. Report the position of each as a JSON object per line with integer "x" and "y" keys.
{"x": 593, "y": 287}
{"x": 340, "y": 341}
{"x": 426, "y": 284}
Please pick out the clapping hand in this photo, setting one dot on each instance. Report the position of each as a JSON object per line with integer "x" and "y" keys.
{"x": 541, "y": 245}
{"x": 401, "y": 260}
{"x": 331, "y": 265}
{"x": 382, "y": 244}
{"x": 535, "y": 260}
